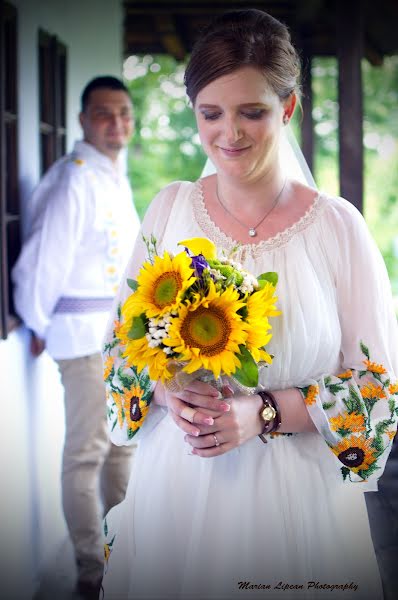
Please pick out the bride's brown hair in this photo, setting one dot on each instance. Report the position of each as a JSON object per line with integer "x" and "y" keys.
{"x": 242, "y": 38}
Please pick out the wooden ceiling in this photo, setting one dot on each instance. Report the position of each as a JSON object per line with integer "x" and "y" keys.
{"x": 164, "y": 27}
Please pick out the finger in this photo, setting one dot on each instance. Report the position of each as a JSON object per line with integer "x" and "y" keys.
{"x": 186, "y": 427}
{"x": 227, "y": 391}
{"x": 214, "y": 451}
{"x": 202, "y": 388}
{"x": 204, "y": 441}
{"x": 188, "y": 413}
{"x": 200, "y": 401}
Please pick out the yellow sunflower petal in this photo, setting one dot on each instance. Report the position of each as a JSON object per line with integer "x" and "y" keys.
{"x": 207, "y": 333}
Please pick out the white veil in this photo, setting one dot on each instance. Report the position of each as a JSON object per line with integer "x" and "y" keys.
{"x": 291, "y": 158}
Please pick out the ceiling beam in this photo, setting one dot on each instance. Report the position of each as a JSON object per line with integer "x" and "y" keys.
{"x": 171, "y": 40}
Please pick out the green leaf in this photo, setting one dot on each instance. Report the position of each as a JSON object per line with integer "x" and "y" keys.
{"x": 328, "y": 405}
{"x": 137, "y": 329}
{"x": 270, "y": 276}
{"x": 247, "y": 374}
{"x": 345, "y": 472}
{"x": 365, "y": 350}
{"x": 133, "y": 284}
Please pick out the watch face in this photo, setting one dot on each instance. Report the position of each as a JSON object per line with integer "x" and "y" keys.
{"x": 268, "y": 413}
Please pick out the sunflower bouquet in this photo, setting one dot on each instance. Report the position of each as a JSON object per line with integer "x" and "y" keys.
{"x": 194, "y": 312}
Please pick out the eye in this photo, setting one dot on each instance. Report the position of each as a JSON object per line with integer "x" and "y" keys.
{"x": 255, "y": 114}
{"x": 211, "y": 116}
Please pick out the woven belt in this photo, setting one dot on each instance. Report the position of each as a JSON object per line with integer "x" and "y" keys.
{"x": 83, "y": 305}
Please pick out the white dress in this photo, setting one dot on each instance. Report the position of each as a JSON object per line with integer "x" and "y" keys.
{"x": 285, "y": 519}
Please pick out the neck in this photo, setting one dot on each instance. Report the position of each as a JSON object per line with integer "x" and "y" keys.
{"x": 256, "y": 194}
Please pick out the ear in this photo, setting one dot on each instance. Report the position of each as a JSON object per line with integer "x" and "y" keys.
{"x": 288, "y": 107}
{"x": 81, "y": 119}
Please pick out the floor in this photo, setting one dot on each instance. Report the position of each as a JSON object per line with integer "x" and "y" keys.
{"x": 58, "y": 581}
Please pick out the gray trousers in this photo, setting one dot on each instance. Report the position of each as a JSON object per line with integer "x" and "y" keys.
{"x": 95, "y": 473}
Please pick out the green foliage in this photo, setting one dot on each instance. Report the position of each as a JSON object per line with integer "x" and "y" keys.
{"x": 137, "y": 329}
{"x": 247, "y": 374}
{"x": 166, "y": 146}
{"x": 270, "y": 277}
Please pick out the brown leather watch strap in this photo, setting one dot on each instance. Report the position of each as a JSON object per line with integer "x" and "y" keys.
{"x": 273, "y": 425}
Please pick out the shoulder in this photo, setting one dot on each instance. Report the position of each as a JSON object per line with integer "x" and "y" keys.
{"x": 164, "y": 199}
{"x": 342, "y": 212}
{"x": 65, "y": 172}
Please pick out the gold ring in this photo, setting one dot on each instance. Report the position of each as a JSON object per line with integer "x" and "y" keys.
{"x": 188, "y": 413}
{"x": 216, "y": 442}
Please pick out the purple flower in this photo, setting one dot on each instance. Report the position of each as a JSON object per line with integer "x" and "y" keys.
{"x": 199, "y": 263}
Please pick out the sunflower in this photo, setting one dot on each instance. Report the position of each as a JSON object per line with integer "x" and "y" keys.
{"x": 260, "y": 306}
{"x": 393, "y": 388}
{"x": 118, "y": 403}
{"x": 161, "y": 286}
{"x": 139, "y": 354}
{"x": 355, "y": 453}
{"x": 374, "y": 367}
{"x": 346, "y": 375}
{"x": 108, "y": 366}
{"x": 107, "y": 552}
{"x": 311, "y": 394}
{"x": 347, "y": 423}
{"x": 370, "y": 390}
{"x": 208, "y": 331}
{"x": 135, "y": 409}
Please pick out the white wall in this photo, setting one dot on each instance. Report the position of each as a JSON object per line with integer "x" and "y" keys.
{"x": 31, "y": 423}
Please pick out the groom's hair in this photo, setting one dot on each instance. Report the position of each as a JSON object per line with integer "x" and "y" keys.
{"x": 103, "y": 82}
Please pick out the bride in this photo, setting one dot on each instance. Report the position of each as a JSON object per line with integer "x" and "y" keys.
{"x": 211, "y": 511}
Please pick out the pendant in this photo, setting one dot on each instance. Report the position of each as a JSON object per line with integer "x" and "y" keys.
{"x": 252, "y": 232}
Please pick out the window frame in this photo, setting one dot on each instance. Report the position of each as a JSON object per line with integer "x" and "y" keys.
{"x": 9, "y": 177}
{"x": 52, "y": 61}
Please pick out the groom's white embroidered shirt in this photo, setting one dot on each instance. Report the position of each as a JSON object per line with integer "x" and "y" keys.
{"x": 84, "y": 227}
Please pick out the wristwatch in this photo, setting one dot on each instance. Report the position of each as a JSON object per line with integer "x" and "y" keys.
{"x": 269, "y": 414}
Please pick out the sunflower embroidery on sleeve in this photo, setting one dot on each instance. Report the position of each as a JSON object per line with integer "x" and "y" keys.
{"x": 361, "y": 437}
{"x": 129, "y": 392}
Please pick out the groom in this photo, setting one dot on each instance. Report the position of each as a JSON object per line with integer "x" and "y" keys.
{"x": 65, "y": 280}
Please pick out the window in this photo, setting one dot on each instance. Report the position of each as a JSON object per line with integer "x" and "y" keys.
{"x": 52, "y": 89}
{"x": 9, "y": 201}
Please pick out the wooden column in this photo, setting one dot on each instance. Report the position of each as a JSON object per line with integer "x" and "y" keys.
{"x": 307, "y": 125}
{"x": 349, "y": 53}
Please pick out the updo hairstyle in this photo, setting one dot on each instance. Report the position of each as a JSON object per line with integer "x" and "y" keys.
{"x": 242, "y": 38}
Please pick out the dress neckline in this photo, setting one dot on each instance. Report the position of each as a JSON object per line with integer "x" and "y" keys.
{"x": 220, "y": 238}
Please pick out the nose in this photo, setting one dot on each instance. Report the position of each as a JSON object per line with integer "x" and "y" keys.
{"x": 232, "y": 130}
{"x": 116, "y": 120}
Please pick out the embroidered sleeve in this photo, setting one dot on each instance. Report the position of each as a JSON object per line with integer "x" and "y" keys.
{"x": 356, "y": 412}
{"x": 129, "y": 392}
{"x": 356, "y": 409}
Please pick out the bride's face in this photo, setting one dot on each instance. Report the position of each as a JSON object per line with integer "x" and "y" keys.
{"x": 239, "y": 120}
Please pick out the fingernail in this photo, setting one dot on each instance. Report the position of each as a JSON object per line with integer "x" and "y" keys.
{"x": 208, "y": 421}
{"x": 195, "y": 432}
{"x": 225, "y": 406}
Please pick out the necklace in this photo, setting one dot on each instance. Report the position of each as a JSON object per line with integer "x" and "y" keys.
{"x": 252, "y": 231}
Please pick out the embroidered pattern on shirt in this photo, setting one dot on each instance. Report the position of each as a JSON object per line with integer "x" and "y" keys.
{"x": 359, "y": 438}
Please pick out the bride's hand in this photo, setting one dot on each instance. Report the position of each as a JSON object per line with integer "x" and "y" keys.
{"x": 197, "y": 406}
{"x": 230, "y": 429}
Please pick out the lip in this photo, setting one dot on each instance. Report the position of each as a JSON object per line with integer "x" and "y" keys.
{"x": 233, "y": 152}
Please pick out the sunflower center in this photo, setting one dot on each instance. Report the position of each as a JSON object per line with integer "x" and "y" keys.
{"x": 206, "y": 329}
{"x": 135, "y": 411}
{"x": 352, "y": 457}
{"x": 166, "y": 289}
